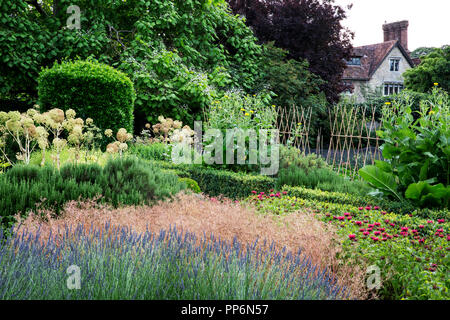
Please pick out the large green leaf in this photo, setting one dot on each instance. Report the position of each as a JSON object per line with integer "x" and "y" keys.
{"x": 381, "y": 180}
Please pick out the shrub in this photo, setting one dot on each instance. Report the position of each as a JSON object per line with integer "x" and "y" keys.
{"x": 92, "y": 89}
{"x": 234, "y": 185}
{"x": 416, "y": 153}
{"x": 191, "y": 184}
{"x": 152, "y": 151}
{"x": 120, "y": 182}
{"x": 359, "y": 201}
{"x": 324, "y": 179}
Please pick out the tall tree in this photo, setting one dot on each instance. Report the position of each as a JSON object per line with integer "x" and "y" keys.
{"x": 307, "y": 29}
{"x": 434, "y": 68}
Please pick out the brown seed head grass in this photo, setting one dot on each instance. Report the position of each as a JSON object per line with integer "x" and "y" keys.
{"x": 222, "y": 218}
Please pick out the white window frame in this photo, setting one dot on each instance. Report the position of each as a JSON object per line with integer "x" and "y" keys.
{"x": 394, "y": 63}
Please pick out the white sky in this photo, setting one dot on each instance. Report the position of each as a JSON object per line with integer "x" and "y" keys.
{"x": 429, "y": 20}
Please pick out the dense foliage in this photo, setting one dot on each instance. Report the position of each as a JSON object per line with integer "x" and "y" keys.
{"x": 411, "y": 253}
{"x": 433, "y": 68}
{"x": 175, "y": 52}
{"x": 416, "y": 153}
{"x": 92, "y": 89}
{"x": 307, "y": 29}
{"x": 120, "y": 182}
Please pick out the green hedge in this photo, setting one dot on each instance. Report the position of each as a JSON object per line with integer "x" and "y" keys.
{"x": 220, "y": 182}
{"x": 349, "y": 199}
{"x": 128, "y": 181}
{"x": 92, "y": 89}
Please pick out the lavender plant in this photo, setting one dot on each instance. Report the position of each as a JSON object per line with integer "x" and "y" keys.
{"x": 120, "y": 264}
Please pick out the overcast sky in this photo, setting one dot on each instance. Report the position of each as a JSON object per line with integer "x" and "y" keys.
{"x": 429, "y": 20}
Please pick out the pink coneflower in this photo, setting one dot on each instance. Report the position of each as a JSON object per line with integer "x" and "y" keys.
{"x": 360, "y": 208}
{"x": 404, "y": 228}
{"x": 392, "y": 224}
{"x": 272, "y": 195}
{"x": 414, "y": 231}
{"x": 384, "y": 239}
{"x": 359, "y": 223}
{"x": 376, "y": 208}
{"x": 448, "y": 237}
{"x": 366, "y": 233}
{"x": 422, "y": 240}
{"x": 278, "y": 194}
{"x": 375, "y": 239}
{"x": 254, "y": 192}
{"x": 382, "y": 229}
{"x": 377, "y": 224}
{"x": 430, "y": 221}
{"x": 440, "y": 230}
{"x": 351, "y": 236}
{"x": 441, "y": 221}
{"x": 285, "y": 192}
{"x": 271, "y": 190}
{"x": 377, "y": 233}
{"x": 346, "y": 214}
{"x": 421, "y": 226}
{"x": 362, "y": 230}
{"x": 341, "y": 218}
{"x": 368, "y": 207}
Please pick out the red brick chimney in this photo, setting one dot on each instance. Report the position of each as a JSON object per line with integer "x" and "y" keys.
{"x": 397, "y": 31}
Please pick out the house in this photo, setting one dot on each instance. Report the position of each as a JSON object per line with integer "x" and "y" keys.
{"x": 378, "y": 68}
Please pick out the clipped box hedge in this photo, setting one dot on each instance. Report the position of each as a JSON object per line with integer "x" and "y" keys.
{"x": 353, "y": 200}
{"x": 221, "y": 182}
{"x": 94, "y": 90}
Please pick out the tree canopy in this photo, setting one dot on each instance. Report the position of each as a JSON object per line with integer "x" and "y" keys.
{"x": 434, "y": 68}
{"x": 177, "y": 52}
{"x": 307, "y": 29}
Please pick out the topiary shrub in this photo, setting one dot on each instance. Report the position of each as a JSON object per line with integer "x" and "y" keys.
{"x": 92, "y": 89}
{"x": 191, "y": 184}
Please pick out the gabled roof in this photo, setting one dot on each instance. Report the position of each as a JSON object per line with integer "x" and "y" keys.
{"x": 371, "y": 58}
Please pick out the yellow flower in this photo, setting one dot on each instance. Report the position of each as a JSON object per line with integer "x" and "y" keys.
{"x": 299, "y": 124}
{"x": 432, "y": 112}
{"x": 251, "y": 111}
{"x": 436, "y": 84}
{"x": 242, "y": 109}
{"x": 387, "y": 103}
{"x": 247, "y": 114}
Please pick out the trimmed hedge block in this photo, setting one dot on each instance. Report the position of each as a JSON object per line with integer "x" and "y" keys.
{"x": 94, "y": 90}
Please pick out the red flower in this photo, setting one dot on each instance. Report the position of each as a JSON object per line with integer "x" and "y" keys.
{"x": 430, "y": 221}
{"x": 359, "y": 223}
{"x": 421, "y": 226}
{"x": 377, "y": 224}
{"x": 351, "y": 236}
{"x": 441, "y": 221}
{"x": 284, "y": 192}
{"x": 254, "y": 192}
{"x": 362, "y": 230}
{"x": 377, "y": 233}
{"x": 376, "y": 208}
{"x": 366, "y": 233}
{"x": 360, "y": 208}
{"x": 368, "y": 207}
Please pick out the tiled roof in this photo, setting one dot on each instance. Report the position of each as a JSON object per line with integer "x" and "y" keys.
{"x": 371, "y": 58}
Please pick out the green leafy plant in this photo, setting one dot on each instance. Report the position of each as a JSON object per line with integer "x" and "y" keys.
{"x": 416, "y": 151}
